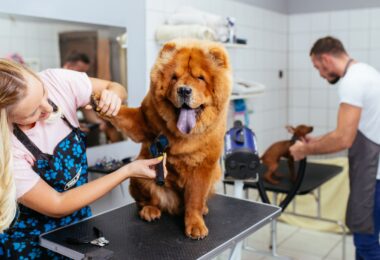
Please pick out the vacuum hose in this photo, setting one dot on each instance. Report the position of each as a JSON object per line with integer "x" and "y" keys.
{"x": 291, "y": 193}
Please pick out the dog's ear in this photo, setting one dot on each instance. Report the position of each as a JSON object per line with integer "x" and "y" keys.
{"x": 219, "y": 56}
{"x": 290, "y": 129}
{"x": 167, "y": 49}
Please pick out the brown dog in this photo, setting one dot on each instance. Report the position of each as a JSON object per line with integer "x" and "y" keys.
{"x": 273, "y": 154}
{"x": 187, "y": 102}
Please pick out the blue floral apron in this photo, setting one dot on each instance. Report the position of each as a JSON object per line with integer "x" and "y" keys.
{"x": 64, "y": 170}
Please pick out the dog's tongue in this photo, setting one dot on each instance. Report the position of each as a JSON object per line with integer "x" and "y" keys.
{"x": 186, "y": 120}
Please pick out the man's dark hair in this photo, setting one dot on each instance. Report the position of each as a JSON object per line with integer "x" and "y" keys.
{"x": 328, "y": 45}
{"x": 77, "y": 56}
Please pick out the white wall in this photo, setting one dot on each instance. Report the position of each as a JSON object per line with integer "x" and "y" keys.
{"x": 312, "y": 6}
{"x": 311, "y": 99}
{"x": 266, "y": 32}
{"x": 37, "y": 39}
{"x": 111, "y": 12}
{"x": 124, "y": 13}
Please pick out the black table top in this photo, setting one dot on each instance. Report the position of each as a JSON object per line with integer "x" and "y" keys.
{"x": 229, "y": 220}
{"x": 316, "y": 174}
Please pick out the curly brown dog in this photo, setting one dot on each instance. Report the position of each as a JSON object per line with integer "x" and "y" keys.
{"x": 187, "y": 102}
{"x": 273, "y": 154}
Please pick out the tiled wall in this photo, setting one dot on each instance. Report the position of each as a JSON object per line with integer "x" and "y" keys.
{"x": 37, "y": 39}
{"x": 311, "y": 99}
{"x": 264, "y": 56}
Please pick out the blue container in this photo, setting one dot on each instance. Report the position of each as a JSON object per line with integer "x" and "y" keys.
{"x": 241, "y": 156}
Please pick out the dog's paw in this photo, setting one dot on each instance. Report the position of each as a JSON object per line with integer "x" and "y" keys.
{"x": 150, "y": 213}
{"x": 94, "y": 101}
{"x": 197, "y": 230}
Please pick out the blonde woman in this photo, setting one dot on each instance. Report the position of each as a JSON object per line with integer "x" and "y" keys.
{"x": 8, "y": 204}
{"x": 48, "y": 175}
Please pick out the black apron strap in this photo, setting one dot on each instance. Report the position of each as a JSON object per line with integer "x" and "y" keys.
{"x": 24, "y": 139}
{"x": 55, "y": 109}
{"x": 68, "y": 123}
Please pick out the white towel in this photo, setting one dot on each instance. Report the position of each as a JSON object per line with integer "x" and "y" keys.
{"x": 186, "y": 19}
{"x": 170, "y": 32}
{"x": 187, "y": 15}
{"x": 221, "y": 33}
{"x": 191, "y": 15}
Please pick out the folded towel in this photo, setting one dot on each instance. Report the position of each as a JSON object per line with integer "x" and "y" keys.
{"x": 191, "y": 15}
{"x": 186, "y": 19}
{"x": 247, "y": 87}
{"x": 170, "y": 32}
{"x": 187, "y": 15}
{"x": 221, "y": 33}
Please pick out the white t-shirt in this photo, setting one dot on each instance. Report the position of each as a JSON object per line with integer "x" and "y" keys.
{"x": 361, "y": 87}
{"x": 69, "y": 90}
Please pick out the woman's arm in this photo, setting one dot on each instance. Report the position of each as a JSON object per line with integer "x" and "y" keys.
{"x": 45, "y": 200}
{"x": 98, "y": 85}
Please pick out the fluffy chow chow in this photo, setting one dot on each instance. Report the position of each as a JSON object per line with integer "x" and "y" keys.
{"x": 187, "y": 102}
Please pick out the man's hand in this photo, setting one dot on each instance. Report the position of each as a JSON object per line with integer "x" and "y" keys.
{"x": 298, "y": 150}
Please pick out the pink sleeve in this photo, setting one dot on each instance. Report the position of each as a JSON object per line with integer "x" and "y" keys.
{"x": 80, "y": 86}
{"x": 24, "y": 176}
{"x": 68, "y": 84}
{"x": 69, "y": 89}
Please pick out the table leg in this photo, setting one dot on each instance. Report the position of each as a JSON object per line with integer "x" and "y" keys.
{"x": 238, "y": 193}
{"x": 122, "y": 190}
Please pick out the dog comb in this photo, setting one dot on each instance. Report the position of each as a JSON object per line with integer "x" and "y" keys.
{"x": 157, "y": 148}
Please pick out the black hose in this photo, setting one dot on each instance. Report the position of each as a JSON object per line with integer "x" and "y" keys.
{"x": 260, "y": 186}
{"x": 291, "y": 193}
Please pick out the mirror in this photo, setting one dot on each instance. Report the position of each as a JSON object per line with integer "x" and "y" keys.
{"x": 97, "y": 50}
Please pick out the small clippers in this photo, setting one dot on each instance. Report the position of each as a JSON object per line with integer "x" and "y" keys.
{"x": 99, "y": 241}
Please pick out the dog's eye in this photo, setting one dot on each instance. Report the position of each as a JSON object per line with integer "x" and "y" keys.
{"x": 174, "y": 77}
{"x": 201, "y": 78}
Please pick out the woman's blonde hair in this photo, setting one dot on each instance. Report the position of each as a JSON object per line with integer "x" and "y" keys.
{"x": 13, "y": 88}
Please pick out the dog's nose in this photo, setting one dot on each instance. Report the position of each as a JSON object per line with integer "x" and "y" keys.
{"x": 184, "y": 92}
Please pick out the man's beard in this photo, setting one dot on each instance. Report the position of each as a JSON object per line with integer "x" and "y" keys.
{"x": 333, "y": 79}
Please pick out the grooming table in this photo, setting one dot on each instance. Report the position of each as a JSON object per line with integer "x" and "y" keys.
{"x": 316, "y": 174}
{"x": 229, "y": 221}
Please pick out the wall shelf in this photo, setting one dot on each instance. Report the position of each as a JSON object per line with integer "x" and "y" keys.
{"x": 235, "y": 46}
{"x": 245, "y": 96}
{"x": 227, "y": 45}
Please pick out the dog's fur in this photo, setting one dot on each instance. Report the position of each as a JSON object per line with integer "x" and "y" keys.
{"x": 273, "y": 154}
{"x": 193, "y": 157}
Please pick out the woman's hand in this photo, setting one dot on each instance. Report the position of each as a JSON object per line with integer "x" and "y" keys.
{"x": 111, "y": 94}
{"x": 144, "y": 168}
{"x": 109, "y": 103}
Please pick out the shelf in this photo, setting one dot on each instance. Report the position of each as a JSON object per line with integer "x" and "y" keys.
{"x": 245, "y": 96}
{"x": 227, "y": 45}
{"x": 235, "y": 46}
